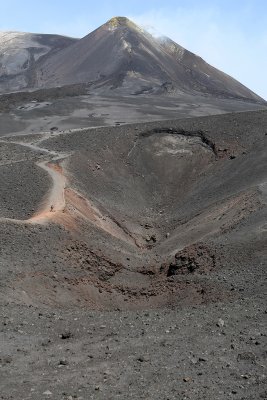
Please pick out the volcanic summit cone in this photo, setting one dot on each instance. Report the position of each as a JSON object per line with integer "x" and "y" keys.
{"x": 120, "y": 55}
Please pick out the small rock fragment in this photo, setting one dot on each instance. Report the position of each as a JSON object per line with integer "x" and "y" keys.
{"x": 47, "y": 393}
{"x": 63, "y": 362}
{"x": 187, "y": 379}
{"x": 66, "y": 335}
{"x": 220, "y": 323}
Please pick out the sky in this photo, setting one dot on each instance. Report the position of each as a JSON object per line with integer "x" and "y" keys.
{"x": 229, "y": 34}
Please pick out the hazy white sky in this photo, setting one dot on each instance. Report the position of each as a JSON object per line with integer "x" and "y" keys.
{"x": 229, "y": 34}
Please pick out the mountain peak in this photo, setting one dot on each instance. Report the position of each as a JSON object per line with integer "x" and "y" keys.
{"x": 117, "y": 22}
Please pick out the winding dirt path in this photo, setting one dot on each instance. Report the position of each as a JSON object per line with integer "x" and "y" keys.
{"x": 55, "y": 200}
{"x": 54, "y": 204}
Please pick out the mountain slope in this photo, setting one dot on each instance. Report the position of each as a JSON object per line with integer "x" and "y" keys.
{"x": 19, "y": 53}
{"x": 202, "y": 76}
{"x": 120, "y": 55}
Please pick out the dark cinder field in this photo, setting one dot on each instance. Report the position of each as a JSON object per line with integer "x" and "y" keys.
{"x": 76, "y": 106}
{"x": 132, "y": 259}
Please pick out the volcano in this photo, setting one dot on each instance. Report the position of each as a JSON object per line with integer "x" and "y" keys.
{"x": 121, "y": 57}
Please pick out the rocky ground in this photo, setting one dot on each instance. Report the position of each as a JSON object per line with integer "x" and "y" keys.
{"x": 77, "y": 106}
{"x": 132, "y": 261}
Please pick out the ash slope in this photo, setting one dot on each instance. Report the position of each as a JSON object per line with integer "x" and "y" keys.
{"x": 19, "y": 54}
{"x": 164, "y": 234}
{"x": 121, "y": 56}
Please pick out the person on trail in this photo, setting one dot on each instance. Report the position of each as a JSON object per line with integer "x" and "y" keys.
{"x": 51, "y": 208}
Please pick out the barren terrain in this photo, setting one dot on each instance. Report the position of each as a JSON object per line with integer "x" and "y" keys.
{"x": 76, "y": 107}
{"x": 133, "y": 260}
{"x": 133, "y": 221}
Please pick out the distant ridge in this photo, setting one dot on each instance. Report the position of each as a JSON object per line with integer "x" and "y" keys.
{"x": 20, "y": 53}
